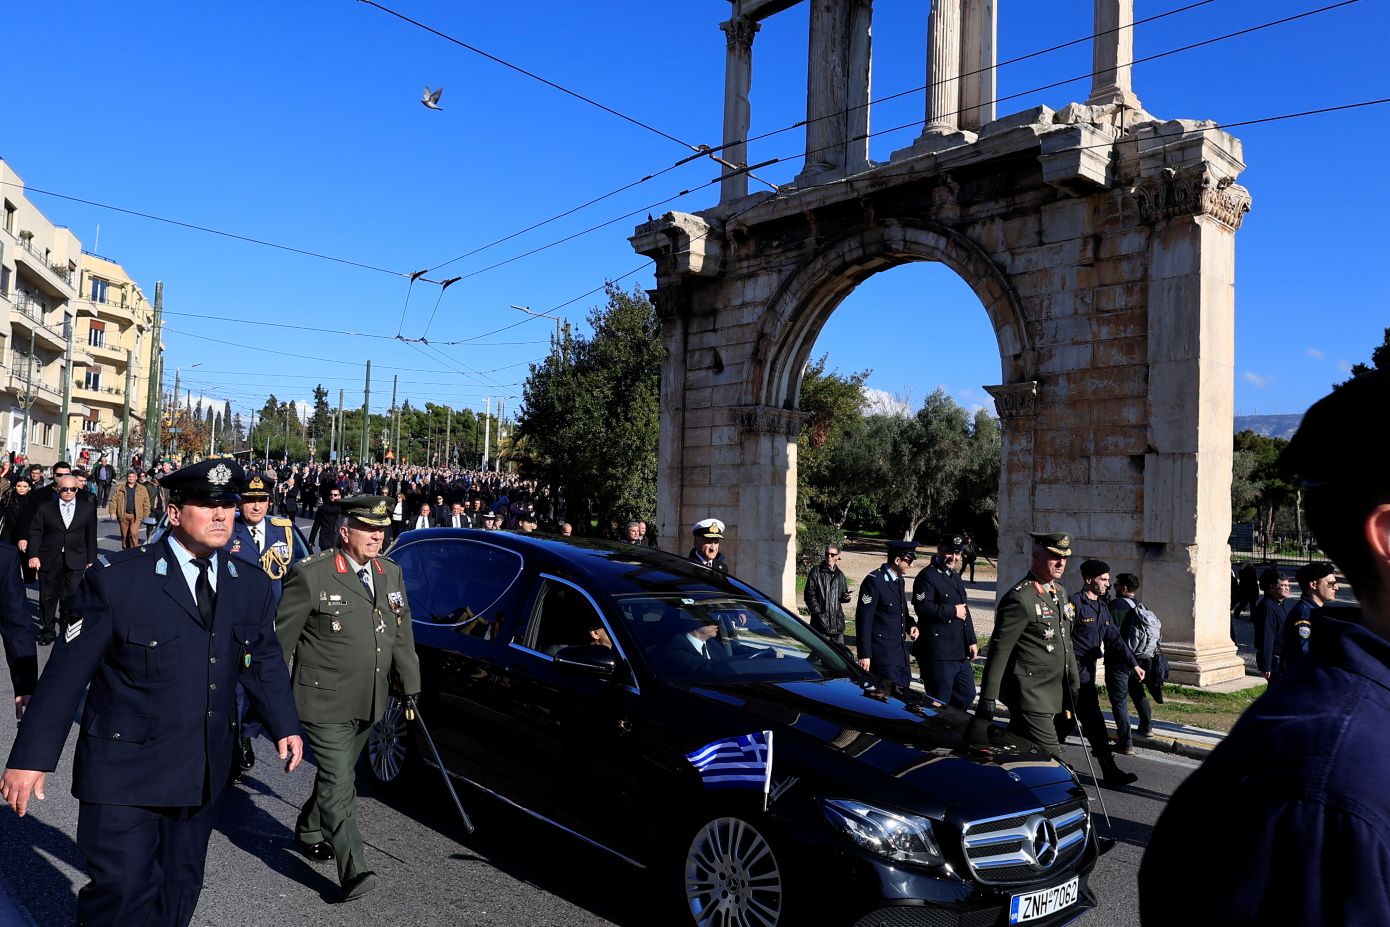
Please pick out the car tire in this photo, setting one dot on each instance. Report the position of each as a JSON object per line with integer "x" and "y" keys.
{"x": 387, "y": 755}
{"x": 732, "y": 874}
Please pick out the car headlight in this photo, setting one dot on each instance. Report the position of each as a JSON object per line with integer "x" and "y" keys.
{"x": 890, "y": 834}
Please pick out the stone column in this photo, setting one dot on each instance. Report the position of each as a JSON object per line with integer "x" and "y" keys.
{"x": 827, "y": 95}
{"x": 766, "y": 488}
{"x": 1017, "y": 407}
{"x": 1112, "y": 55}
{"x": 738, "y": 80}
{"x": 1194, "y": 213}
{"x": 978, "y": 55}
{"x": 859, "y": 76}
{"x": 943, "y": 66}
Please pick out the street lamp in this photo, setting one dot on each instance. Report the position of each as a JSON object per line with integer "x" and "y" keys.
{"x": 559, "y": 342}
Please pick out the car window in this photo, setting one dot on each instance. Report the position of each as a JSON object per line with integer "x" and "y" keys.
{"x": 417, "y": 590}
{"x": 693, "y": 638}
{"x": 562, "y": 617}
{"x": 465, "y": 580}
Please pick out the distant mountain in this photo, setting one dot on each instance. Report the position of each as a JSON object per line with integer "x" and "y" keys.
{"x": 1271, "y": 426}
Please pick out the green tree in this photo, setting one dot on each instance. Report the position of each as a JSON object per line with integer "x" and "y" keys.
{"x": 321, "y": 421}
{"x": 826, "y": 477}
{"x": 1380, "y": 360}
{"x": 1275, "y": 488}
{"x": 590, "y": 413}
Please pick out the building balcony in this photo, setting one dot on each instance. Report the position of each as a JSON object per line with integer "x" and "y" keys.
{"x": 45, "y": 396}
{"x": 124, "y": 315}
{"x": 29, "y": 315}
{"x": 108, "y": 396}
{"x": 102, "y": 353}
{"x": 55, "y": 279}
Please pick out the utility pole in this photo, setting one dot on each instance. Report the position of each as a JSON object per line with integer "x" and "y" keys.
{"x": 395, "y": 440}
{"x": 448, "y": 435}
{"x": 152, "y": 418}
{"x": 29, "y": 395}
{"x": 366, "y": 405}
{"x": 342, "y": 427}
{"x": 288, "y": 406}
{"x": 123, "y": 462}
{"x": 67, "y": 392}
{"x": 487, "y": 429}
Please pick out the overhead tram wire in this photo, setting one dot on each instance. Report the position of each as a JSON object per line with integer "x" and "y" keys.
{"x": 203, "y": 228}
{"x": 327, "y": 331}
{"x": 298, "y": 356}
{"x": 1261, "y": 120}
{"x": 628, "y": 186}
{"x": 916, "y": 122}
{"x": 396, "y": 273}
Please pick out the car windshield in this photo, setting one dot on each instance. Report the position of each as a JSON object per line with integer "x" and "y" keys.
{"x": 694, "y": 639}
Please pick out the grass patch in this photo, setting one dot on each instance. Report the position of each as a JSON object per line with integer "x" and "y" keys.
{"x": 801, "y": 584}
{"x": 1215, "y": 711}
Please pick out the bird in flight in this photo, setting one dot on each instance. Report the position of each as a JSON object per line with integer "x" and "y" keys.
{"x": 431, "y": 99}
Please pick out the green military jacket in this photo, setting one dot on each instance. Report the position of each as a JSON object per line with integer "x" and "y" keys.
{"x": 1032, "y": 660}
{"x": 344, "y": 642}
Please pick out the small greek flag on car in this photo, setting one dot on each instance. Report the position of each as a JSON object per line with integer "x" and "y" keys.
{"x": 743, "y": 762}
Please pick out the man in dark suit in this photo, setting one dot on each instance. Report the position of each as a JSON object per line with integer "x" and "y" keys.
{"x": 62, "y": 544}
{"x": 696, "y": 650}
{"x": 324, "y": 531}
{"x": 158, "y": 638}
{"x": 17, "y": 629}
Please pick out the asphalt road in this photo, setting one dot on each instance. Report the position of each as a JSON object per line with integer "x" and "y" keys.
{"x": 512, "y": 871}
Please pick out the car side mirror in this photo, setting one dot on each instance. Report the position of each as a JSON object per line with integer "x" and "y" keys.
{"x": 589, "y": 658}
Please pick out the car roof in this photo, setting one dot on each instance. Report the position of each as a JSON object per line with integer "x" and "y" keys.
{"x": 617, "y": 567}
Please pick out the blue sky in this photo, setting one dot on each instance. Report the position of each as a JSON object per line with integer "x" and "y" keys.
{"x": 299, "y": 123}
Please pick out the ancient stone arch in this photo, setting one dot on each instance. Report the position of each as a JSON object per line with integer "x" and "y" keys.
{"x": 1100, "y": 242}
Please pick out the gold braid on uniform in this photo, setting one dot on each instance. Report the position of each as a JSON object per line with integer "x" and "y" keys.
{"x": 276, "y": 564}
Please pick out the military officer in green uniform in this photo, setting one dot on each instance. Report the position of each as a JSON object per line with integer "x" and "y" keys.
{"x": 1031, "y": 665}
{"x": 345, "y": 621}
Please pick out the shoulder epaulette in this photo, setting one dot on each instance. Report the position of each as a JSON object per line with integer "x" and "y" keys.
{"x": 121, "y": 556}
{"x": 280, "y": 521}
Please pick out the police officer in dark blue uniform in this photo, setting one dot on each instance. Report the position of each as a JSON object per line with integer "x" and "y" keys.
{"x": 157, "y": 637}
{"x": 883, "y": 627}
{"x": 1288, "y": 820}
{"x": 946, "y": 642}
{"x": 265, "y": 541}
{"x": 1317, "y": 585}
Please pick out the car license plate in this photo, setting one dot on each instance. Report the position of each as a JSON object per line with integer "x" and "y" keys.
{"x": 1038, "y": 904}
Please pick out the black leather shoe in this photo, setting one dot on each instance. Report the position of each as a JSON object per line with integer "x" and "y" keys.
{"x": 246, "y": 757}
{"x": 1117, "y": 778}
{"x": 320, "y": 852}
{"x": 359, "y": 885}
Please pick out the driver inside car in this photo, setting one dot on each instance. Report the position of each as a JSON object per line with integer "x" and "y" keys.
{"x": 708, "y": 641}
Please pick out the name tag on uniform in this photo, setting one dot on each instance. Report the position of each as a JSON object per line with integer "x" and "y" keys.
{"x": 335, "y": 599}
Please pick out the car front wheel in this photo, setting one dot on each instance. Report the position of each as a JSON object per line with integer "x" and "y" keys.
{"x": 732, "y": 876}
{"x": 388, "y": 744}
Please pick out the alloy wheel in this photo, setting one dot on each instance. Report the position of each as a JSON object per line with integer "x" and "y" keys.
{"x": 386, "y": 744}
{"x": 732, "y": 878}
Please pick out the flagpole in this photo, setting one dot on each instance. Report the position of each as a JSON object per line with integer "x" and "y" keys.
{"x": 767, "y": 774}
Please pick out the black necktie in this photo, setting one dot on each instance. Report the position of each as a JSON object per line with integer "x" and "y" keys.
{"x": 207, "y": 599}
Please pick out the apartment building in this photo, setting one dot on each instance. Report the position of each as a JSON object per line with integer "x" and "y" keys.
{"x": 48, "y": 284}
{"x": 114, "y": 322}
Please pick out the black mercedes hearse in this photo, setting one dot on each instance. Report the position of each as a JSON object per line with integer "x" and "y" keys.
{"x": 686, "y": 723}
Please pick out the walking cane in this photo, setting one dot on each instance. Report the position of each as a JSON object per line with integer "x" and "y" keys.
{"x": 412, "y": 711}
{"x": 1107, "y": 843}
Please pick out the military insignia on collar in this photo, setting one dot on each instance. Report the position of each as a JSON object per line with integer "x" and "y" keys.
{"x": 73, "y": 630}
{"x": 866, "y": 598}
{"x": 161, "y": 567}
{"x": 220, "y": 475}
